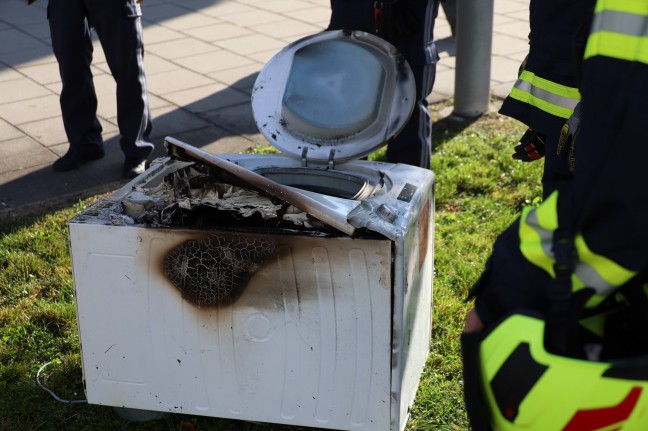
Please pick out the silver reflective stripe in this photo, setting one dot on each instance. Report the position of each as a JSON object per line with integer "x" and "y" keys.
{"x": 621, "y": 22}
{"x": 428, "y": 32}
{"x": 590, "y": 278}
{"x": 585, "y": 273}
{"x": 546, "y": 236}
{"x": 554, "y": 99}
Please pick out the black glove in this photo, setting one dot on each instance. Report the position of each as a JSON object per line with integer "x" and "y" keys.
{"x": 531, "y": 147}
{"x": 568, "y": 134}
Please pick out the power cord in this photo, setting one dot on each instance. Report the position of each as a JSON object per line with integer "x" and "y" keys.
{"x": 49, "y": 391}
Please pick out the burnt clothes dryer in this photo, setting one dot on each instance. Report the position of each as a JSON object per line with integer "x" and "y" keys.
{"x": 292, "y": 288}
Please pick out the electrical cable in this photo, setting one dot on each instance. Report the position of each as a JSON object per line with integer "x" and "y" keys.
{"x": 49, "y": 391}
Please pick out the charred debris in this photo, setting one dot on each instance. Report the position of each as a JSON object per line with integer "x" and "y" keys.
{"x": 198, "y": 196}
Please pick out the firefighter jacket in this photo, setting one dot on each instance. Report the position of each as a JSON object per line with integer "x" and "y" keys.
{"x": 606, "y": 202}
{"x": 546, "y": 91}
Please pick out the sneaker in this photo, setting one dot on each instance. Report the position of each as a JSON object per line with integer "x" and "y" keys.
{"x": 133, "y": 167}
{"x": 71, "y": 161}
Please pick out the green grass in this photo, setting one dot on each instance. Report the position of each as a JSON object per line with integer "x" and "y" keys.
{"x": 480, "y": 190}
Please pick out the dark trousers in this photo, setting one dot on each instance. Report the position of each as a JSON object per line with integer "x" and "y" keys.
{"x": 118, "y": 25}
{"x": 413, "y": 145}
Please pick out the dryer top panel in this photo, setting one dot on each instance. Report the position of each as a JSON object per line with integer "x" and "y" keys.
{"x": 333, "y": 96}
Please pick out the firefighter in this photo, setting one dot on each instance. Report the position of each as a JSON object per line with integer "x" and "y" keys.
{"x": 559, "y": 323}
{"x": 546, "y": 92}
{"x": 409, "y": 26}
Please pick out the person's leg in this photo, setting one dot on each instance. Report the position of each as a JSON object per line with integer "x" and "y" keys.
{"x": 413, "y": 145}
{"x": 72, "y": 46}
{"x": 352, "y": 15}
{"x": 118, "y": 24}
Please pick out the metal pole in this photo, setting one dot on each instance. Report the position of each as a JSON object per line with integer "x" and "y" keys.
{"x": 474, "y": 46}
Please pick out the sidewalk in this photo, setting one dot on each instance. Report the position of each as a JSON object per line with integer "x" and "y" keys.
{"x": 202, "y": 57}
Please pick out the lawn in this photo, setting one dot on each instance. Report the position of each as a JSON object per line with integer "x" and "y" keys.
{"x": 480, "y": 190}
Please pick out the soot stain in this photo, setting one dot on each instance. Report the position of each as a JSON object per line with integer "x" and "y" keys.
{"x": 215, "y": 270}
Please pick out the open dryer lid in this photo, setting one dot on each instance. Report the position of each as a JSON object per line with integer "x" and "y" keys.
{"x": 333, "y": 96}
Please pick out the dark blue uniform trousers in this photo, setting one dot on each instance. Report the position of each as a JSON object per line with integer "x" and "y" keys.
{"x": 118, "y": 25}
{"x": 413, "y": 145}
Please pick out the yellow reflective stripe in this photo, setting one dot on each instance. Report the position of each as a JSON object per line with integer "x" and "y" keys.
{"x": 537, "y": 226}
{"x": 548, "y": 212}
{"x": 620, "y": 30}
{"x": 605, "y": 274}
{"x": 639, "y": 7}
{"x": 548, "y": 96}
{"x": 536, "y": 233}
{"x": 620, "y": 46}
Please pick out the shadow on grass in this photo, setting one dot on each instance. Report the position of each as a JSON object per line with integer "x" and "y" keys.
{"x": 447, "y": 128}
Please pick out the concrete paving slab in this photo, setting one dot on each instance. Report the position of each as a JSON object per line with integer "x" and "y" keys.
{"x": 170, "y": 120}
{"x": 515, "y": 28}
{"x": 156, "y": 102}
{"x": 37, "y": 54}
{"x": 17, "y": 111}
{"x": 237, "y": 119}
{"x": 252, "y": 18}
{"x": 32, "y": 186}
{"x": 38, "y": 31}
{"x": 444, "y": 86}
{"x": 216, "y": 32}
{"x": 22, "y": 153}
{"x": 175, "y": 80}
{"x": 154, "y": 64}
{"x": 316, "y": 15}
{"x": 179, "y": 48}
{"x": 502, "y": 90}
{"x": 48, "y": 132}
{"x": 214, "y": 140}
{"x": 216, "y": 60}
{"x": 511, "y": 6}
{"x": 504, "y": 69}
{"x": 241, "y": 78}
{"x": 208, "y": 98}
{"x": 286, "y": 5}
{"x": 9, "y": 74}
{"x": 158, "y": 12}
{"x": 263, "y": 56}
{"x": 189, "y": 21}
{"x": 18, "y": 90}
{"x": 8, "y": 131}
{"x": 505, "y": 45}
{"x": 46, "y": 73}
{"x": 202, "y": 58}
{"x": 287, "y": 29}
{"x": 220, "y": 9}
{"x": 251, "y": 44}
{"x": 13, "y": 40}
{"x": 18, "y": 14}
{"x": 156, "y": 33}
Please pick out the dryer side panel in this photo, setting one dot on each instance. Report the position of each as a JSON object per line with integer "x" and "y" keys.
{"x": 305, "y": 341}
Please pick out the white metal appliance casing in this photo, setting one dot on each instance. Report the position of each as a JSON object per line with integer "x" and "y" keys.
{"x": 331, "y": 331}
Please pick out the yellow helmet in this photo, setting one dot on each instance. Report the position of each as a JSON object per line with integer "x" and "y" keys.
{"x": 513, "y": 383}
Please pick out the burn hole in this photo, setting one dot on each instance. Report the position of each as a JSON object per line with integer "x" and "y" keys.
{"x": 216, "y": 270}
